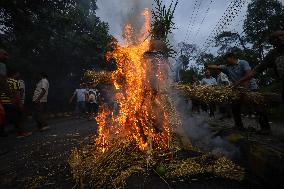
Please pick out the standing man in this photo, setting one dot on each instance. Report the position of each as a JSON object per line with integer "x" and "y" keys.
{"x": 208, "y": 80}
{"x": 10, "y": 107}
{"x": 2, "y": 120}
{"x": 3, "y": 58}
{"x": 93, "y": 106}
{"x": 274, "y": 60}
{"x": 81, "y": 96}
{"x": 13, "y": 108}
{"x": 3, "y": 87}
{"x": 40, "y": 102}
{"x": 235, "y": 69}
{"x": 22, "y": 88}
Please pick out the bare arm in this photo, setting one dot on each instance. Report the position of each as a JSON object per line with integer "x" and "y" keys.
{"x": 214, "y": 67}
{"x": 72, "y": 98}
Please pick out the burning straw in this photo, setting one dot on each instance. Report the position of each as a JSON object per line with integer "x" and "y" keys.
{"x": 112, "y": 169}
{"x": 93, "y": 169}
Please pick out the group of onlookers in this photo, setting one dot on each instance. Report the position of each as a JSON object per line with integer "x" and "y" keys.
{"x": 12, "y": 99}
{"x": 86, "y": 101}
{"x": 238, "y": 72}
{"x": 229, "y": 73}
{"x": 209, "y": 80}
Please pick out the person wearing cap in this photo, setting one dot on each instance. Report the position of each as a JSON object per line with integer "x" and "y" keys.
{"x": 274, "y": 60}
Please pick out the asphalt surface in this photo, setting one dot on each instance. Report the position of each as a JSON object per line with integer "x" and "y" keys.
{"x": 41, "y": 160}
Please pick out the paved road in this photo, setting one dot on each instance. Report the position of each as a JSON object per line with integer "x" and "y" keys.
{"x": 41, "y": 159}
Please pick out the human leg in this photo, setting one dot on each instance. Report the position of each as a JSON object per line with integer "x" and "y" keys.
{"x": 2, "y": 121}
{"x": 263, "y": 121}
{"x": 39, "y": 115}
{"x": 236, "y": 111}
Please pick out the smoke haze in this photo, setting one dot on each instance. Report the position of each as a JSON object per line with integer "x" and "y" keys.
{"x": 119, "y": 12}
{"x": 197, "y": 129}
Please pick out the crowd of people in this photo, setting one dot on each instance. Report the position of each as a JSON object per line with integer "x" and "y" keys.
{"x": 236, "y": 72}
{"x": 233, "y": 73}
{"x": 13, "y": 96}
{"x": 87, "y": 100}
{"x": 12, "y": 99}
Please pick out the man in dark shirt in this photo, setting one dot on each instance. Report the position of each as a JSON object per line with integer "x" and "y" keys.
{"x": 274, "y": 60}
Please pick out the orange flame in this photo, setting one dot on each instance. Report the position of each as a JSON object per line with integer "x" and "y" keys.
{"x": 141, "y": 113}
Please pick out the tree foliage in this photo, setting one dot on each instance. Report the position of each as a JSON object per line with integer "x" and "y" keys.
{"x": 227, "y": 40}
{"x": 263, "y": 17}
{"x": 188, "y": 52}
{"x": 162, "y": 23}
{"x": 59, "y": 37}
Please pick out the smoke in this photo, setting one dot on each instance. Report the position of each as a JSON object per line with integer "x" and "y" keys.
{"x": 198, "y": 130}
{"x": 117, "y": 13}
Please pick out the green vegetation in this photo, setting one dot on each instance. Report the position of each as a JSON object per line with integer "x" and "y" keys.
{"x": 263, "y": 17}
{"x": 162, "y": 23}
{"x": 59, "y": 37}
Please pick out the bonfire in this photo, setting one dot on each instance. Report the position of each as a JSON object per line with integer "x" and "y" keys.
{"x": 137, "y": 132}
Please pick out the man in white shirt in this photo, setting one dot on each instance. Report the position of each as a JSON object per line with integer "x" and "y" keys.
{"x": 222, "y": 79}
{"x": 81, "y": 96}
{"x": 93, "y": 95}
{"x": 40, "y": 102}
{"x": 208, "y": 80}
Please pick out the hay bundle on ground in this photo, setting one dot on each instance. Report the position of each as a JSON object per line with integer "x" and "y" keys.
{"x": 110, "y": 169}
{"x": 206, "y": 164}
{"x": 113, "y": 168}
